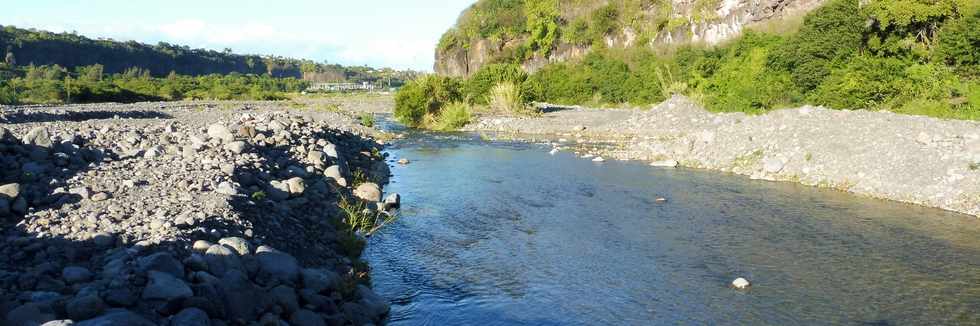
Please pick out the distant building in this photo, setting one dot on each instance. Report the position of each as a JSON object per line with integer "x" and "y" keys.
{"x": 341, "y": 87}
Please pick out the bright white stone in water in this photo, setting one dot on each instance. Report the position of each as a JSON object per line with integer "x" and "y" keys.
{"x": 741, "y": 283}
{"x": 553, "y": 151}
{"x": 598, "y": 159}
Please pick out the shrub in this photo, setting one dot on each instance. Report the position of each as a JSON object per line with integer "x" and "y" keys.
{"x": 607, "y": 77}
{"x": 605, "y": 20}
{"x": 561, "y": 83}
{"x": 425, "y": 96}
{"x": 508, "y": 97}
{"x": 744, "y": 82}
{"x": 452, "y": 116}
{"x": 829, "y": 35}
{"x": 959, "y": 44}
{"x": 477, "y": 88}
{"x": 865, "y": 82}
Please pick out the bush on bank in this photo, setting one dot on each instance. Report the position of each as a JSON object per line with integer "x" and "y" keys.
{"x": 907, "y": 56}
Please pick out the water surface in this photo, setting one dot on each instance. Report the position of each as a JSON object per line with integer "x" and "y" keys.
{"x": 504, "y": 233}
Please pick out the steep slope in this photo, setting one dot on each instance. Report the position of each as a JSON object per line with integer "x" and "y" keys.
{"x": 536, "y": 32}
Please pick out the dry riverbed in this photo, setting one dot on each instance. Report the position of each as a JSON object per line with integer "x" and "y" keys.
{"x": 914, "y": 159}
{"x": 191, "y": 213}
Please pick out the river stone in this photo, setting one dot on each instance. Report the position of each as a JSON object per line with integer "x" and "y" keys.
{"x": 285, "y": 297}
{"x": 219, "y": 131}
{"x": 239, "y": 296}
{"x": 368, "y": 191}
{"x": 277, "y": 190}
{"x": 392, "y": 201}
{"x": 240, "y": 245}
{"x": 741, "y": 283}
{"x": 222, "y": 259}
{"x": 772, "y": 165}
{"x": 117, "y": 317}
{"x": 84, "y": 307}
{"x": 4, "y": 207}
{"x": 333, "y": 172}
{"x": 29, "y": 314}
{"x": 201, "y": 246}
{"x": 319, "y": 280}
{"x": 665, "y": 164}
{"x": 191, "y": 317}
{"x": 163, "y": 286}
{"x": 306, "y": 318}
{"x": 226, "y": 188}
{"x": 403, "y": 161}
{"x": 331, "y": 151}
{"x": 63, "y": 322}
{"x": 10, "y": 190}
{"x": 39, "y": 137}
{"x": 317, "y": 158}
{"x": 161, "y": 262}
{"x": 236, "y": 147}
{"x": 375, "y": 304}
{"x": 276, "y": 267}
{"x": 76, "y": 274}
{"x": 296, "y": 186}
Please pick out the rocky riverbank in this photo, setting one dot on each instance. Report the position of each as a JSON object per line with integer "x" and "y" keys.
{"x": 184, "y": 214}
{"x": 913, "y": 159}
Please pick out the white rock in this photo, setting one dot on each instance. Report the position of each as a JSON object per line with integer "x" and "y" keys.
{"x": 665, "y": 164}
{"x": 741, "y": 283}
{"x": 598, "y": 159}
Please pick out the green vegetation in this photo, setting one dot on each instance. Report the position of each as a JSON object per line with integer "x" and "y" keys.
{"x": 367, "y": 119}
{"x": 450, "y": 117}
{"x": 42, "y": 48}
{"x": 907, "y": 56}
{"x": 87, "y": 84}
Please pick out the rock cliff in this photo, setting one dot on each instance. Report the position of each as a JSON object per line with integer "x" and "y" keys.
{"x": 649, "y": 23}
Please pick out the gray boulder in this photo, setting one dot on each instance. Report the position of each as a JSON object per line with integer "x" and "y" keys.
{"x": 162, "y": 262}
{"x": 320, "y": 280}
{"x": 163, "y": 286}
{"x": 369, "y": 192}
{"x": 117, "y": 317}
{"x": 10, "y": 191}
{"x": 240, "y": 245}
{"x": 85, "y": 307}
{"x": 306, "y": 318}
{"x": 75, "y": 274}
{"x": 220, "y": 131}
{"x": 191, "y": 317}
{"x": 276, "y": 267}
{"x": 222, "y": 259}
{"x": 39, "y": 137}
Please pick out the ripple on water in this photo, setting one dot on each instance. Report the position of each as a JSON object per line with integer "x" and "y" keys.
{"x": 497, "y": 234}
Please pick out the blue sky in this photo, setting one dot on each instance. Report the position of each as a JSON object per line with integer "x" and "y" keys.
{"x": 381, "y": 33}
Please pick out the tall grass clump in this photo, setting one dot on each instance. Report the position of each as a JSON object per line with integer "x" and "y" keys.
{"x": 508, "y": 97}
{"x": 450, "y": 117}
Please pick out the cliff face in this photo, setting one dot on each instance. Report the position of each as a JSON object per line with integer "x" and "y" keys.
{"x": 669, "y": 23}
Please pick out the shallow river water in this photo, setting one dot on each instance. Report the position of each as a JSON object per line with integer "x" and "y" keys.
{"x": 497, "y": 233}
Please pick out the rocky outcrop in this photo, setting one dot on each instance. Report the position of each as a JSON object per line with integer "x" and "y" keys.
{"x": 677, "y": 22}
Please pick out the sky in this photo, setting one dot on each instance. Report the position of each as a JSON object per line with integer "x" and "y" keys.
{"x": 399, "y": 34}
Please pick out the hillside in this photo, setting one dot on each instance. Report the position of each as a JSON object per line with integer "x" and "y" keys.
{"x": 536, "y": 32}
{"x": 70, "y": 50}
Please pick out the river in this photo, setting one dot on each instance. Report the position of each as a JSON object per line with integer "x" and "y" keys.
{"x": 502, "y": 233}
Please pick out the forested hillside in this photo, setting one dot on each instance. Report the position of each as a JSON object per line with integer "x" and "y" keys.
{"x": 907, "y": 56}
{"x": 28, "y": 46}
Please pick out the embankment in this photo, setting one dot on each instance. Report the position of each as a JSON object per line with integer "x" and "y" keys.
{"x": 184, "y": 214}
